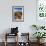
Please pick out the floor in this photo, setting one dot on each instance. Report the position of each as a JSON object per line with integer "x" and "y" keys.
{"x": 13, "y": 44}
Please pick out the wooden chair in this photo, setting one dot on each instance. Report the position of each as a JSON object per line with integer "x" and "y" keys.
{"x": 7, "y": 34}
{"x": 27, "y": 37}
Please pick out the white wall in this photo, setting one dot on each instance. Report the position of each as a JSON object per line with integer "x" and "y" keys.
{"x": 6, "y": 15}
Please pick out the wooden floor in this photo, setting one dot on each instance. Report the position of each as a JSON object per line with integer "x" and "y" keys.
{"x": 13, "y": 44}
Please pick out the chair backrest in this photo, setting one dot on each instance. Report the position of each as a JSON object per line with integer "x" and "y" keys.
{"x": 14, "y": 30}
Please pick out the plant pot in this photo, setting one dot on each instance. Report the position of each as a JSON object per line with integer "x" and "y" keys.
{"x": 42, "y": 40}
{"x": 38, "y": 40}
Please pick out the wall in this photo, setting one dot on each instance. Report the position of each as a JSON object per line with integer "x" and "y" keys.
{"x": 6, "y": 15}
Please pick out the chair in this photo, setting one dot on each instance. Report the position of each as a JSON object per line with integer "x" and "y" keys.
{"x": 14, "y": 32}
{"x": 26, "y": 37}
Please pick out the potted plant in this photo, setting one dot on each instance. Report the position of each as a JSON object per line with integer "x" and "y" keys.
{"x": 39, "y": 35}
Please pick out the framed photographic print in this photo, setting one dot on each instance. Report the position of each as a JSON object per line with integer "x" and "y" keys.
{"x": 18, "y": 13}
{"x": 41, "y": 8}
{"x": 41, "y": 12}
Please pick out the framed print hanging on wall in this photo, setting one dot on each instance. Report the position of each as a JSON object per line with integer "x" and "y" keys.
{"x": 41, "y": 12}
{"x": 41, "y": 8}
{"x": 17, "y": 13}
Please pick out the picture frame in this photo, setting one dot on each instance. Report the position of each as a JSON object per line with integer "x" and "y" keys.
{"x": 41, "y": 12}
{"x": 41, "y": 8}
{"x": 17, "y": 13}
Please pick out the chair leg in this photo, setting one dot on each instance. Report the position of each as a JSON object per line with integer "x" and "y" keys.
{"x": 5, "y": 43}
{"x": 5, "y": 40}
{"x": 17, "y": 39}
